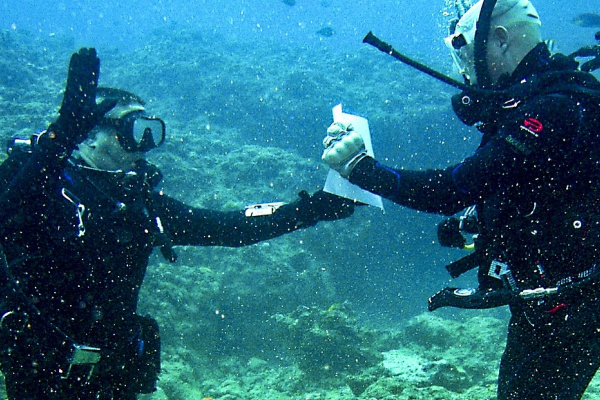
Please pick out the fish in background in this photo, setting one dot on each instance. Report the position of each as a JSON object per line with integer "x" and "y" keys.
{"x": 324, "y": 3}
{"x": 326, "y": 31}
{"x": 587, "y": 20}
{"x": 551, "y": 44}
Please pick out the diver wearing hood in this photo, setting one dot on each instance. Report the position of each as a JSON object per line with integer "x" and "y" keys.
{"x": 532, "y": 186}
{"x": 80, "y": 217}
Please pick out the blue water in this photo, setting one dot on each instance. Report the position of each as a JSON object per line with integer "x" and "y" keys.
{"x": 399, "y": 263}
{"x": 413, "y": 25}
{"x": 126, "y": 24}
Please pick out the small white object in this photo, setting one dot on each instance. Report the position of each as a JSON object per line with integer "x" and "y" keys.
{"x": 262, "y": 210}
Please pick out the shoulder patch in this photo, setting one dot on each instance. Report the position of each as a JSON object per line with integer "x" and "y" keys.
{"x": 532, "y": 126}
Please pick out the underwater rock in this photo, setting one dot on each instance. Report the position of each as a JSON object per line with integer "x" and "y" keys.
{"x": 289, "y": 2}
{"x": 410, "y": 376}
{"x": 385, "y": 388}
{"x": 429, "y": 331}
{"x": 480, "y": 334}
{"x": 328, "y": 342}
{"x": 450, "y": 376}
{"x": 358, "y": 384}
{"x": 439, "y": 353}
{"x": 406, "y": 364}
{"x": 417, "y": 371}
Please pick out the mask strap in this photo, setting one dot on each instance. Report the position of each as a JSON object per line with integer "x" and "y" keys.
{"x": 482, "y": 30}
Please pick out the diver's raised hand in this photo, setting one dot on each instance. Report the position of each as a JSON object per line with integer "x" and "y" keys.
{"x": 344, "y": 148}
{"x": 79, "y": 113}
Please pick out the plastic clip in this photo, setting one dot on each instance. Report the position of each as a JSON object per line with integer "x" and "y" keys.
{"x": 80, "y": 210}
{"x": 538, "y": 293}
{"x": 14, "y": 322}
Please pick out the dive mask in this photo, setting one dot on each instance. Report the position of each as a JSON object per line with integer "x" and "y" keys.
{"x": 460, "y": 44}
{"x": 461, "y": 53}
{"x": 137, "y": 132}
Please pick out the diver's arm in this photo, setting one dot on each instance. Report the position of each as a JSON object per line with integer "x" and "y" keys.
{"x": 430, "y": 191}
{"x": 444, "y": 191}
{"x": 511, "y": 156}
{"x": 191, "y": 226}
{"x": 503, "y": 161}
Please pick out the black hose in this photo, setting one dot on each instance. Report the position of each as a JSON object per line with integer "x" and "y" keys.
{"x": 482, "y": 30}
{"x": 374, "y": 41}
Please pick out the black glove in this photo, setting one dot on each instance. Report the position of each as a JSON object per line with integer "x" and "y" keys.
{"x": 323, "y": 206}
{"x": 449, "y": 233}
{"x": 79, "y": 113}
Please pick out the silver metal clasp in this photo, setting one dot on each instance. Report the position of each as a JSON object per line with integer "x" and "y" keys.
{"x": 537, "y": 293}
{"x": 85, "y": 356}
{"x": 80, "y": 209}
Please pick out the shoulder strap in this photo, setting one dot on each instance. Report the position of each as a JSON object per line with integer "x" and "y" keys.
{"x": 10, "y": 167}
{"x": 564, "y": 81}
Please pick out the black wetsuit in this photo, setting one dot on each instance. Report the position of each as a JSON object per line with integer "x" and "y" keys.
{"x": 534, "y": 180}
{"x": 78, "y": 242}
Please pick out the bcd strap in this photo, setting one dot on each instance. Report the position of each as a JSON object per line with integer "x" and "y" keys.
{"x": 485, "y": 106}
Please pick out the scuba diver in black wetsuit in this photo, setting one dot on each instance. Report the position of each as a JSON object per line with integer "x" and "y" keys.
{"x": 532, "y": 188}
{"x": 80, "y": 217}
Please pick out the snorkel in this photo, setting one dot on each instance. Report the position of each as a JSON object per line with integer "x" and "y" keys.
{"x": 480, "y": 45}
{"x": 469, "y": 104}
{"x": 387, "y": 48}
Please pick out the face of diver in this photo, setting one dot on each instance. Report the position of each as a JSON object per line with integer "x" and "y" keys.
{"x": 122, "y": 138}
{"x": 103, "y": 151}
{"x": 514, "y": 32}
{"x": 499, "y": 53}
{"x": 461, "y": 47}
{"x": 498, "y": 60}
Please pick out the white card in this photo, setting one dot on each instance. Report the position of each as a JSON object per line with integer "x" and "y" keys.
{"x": 335, "y": 183}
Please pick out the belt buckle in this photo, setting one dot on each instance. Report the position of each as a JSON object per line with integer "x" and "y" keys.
{"x": 85, "y": 356}
{"x": 500, "y": 270}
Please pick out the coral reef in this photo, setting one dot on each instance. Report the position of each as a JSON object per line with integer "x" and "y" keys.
{"x": 328, "y": 342}
{"x": 459, "y": 358}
